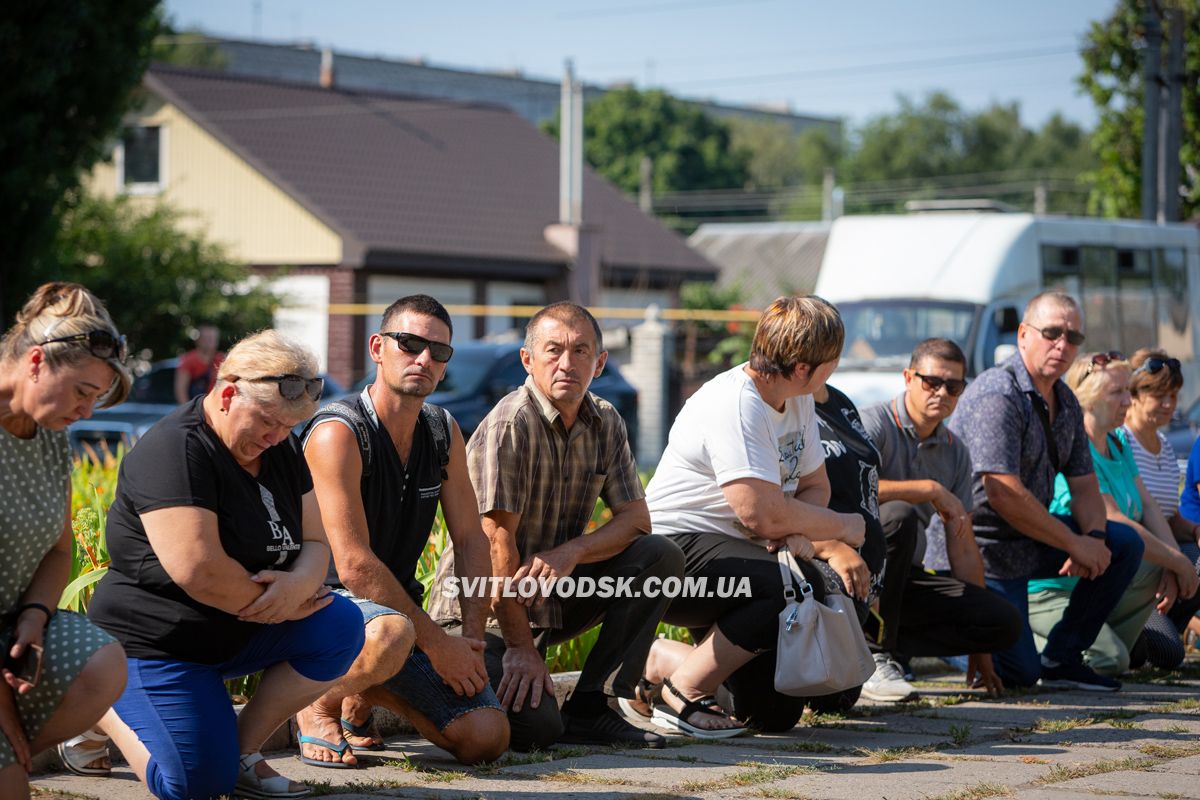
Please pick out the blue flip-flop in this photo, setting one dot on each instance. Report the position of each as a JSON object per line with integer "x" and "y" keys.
{"x": 330, "y": 746}
{"x": 363, "y": 730}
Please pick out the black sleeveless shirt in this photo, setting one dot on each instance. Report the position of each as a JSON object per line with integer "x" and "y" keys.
{"x": 400, "y": 499}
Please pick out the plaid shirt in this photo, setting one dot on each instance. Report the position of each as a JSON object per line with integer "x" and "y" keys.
{"x": 523, "y": 460}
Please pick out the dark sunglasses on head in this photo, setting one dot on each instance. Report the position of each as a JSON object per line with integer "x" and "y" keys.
{"x": 1102, "y": 360}
{"x": 292, "y": 386}
{"x": 1155, "y": 364}
{"x": 415, "y": 345}
{"x": 100, "y": 343}
{"x": 954, "y": 386}
{"x": 1054, "y": 333}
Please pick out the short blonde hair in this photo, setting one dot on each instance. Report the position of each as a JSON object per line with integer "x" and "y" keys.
{"x": 796, "y": 330}
{"x": 264, "y": 354}
{"x": 57, "y": 310}
{"x": 1088, "y": 386}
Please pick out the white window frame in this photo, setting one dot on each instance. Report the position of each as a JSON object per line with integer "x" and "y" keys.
{"x": 146, "y": 188}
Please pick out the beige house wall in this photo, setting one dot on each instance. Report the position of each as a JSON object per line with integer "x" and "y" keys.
{"x": 227, "y": 199}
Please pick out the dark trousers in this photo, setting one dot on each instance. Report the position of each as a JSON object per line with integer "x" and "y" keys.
{"x": 616, "y": 661}
{"x": 934, "y": 615}
{"x": 751, "y": 623}
{"x": 1091, "y": 603}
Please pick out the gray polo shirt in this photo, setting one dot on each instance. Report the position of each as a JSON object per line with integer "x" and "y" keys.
{"x": 941, "y": 457}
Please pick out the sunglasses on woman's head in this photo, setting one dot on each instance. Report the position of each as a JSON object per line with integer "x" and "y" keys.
{"x": 291, "y": 387}
{"x": 1155, "y": 364}
{"x": 415, "y": 345}
{"x": 1102, "y": 360}
{"x": 954, "y": 386}
{"x": 1054, "y": 333}
{"x": 100, "y": 343}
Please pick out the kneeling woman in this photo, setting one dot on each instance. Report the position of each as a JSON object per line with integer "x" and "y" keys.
{"x": 61, "y": 358}
{"x": 218, "y": 560}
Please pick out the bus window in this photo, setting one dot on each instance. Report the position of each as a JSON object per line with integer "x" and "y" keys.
{"x": 1174, "y": 318}
{"x": 1136, "y": 300}
{"x": 1101, "y": 317}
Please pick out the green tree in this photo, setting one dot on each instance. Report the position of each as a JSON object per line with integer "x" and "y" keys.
{"x": 1112, "y": 57}
{"x": 188, "y": 48}
{"x": 688, "y": 148}
{"x": 157, "y": 280}
{"x": 69, "y": 67}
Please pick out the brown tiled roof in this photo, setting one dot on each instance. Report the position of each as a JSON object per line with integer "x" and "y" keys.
{"x": 415, "y": 181}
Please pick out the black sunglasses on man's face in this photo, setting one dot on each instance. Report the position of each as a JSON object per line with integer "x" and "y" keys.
{"x": 954, "y": 386}
{"x": 415, "y": 345}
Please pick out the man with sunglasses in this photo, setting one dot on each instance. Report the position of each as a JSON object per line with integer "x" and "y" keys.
{"x": 925, "y": 471}
{"x": 1023, "y": 426}
{"x": 379, "y": 477}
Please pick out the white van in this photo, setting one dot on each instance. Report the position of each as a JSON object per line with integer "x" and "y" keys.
{"x": 966, "y": 276}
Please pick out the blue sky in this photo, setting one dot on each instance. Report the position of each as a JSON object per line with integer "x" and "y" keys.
{"x": 847, "y": 58}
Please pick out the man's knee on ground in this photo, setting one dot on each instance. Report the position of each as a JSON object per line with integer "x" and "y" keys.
{"x": 536, "y": 728}
{"x": 389, "y": 641}
{"x": 479, "y": 736}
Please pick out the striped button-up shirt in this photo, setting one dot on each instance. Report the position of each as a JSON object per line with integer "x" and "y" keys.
{"x": 523, "y": 460}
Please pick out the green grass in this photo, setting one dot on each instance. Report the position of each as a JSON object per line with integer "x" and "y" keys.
{"x": 94, "y": 481}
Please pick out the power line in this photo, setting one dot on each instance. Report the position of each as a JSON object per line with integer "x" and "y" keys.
{"x": 627, "y": 11}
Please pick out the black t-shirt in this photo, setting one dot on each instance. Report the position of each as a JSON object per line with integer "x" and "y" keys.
{"x": 852, "y": 463}
{"x": 182, "y": 462}
{"x": 400, "y": 500}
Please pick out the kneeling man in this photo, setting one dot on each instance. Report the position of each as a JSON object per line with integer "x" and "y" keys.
{"x": 539, "y": 461}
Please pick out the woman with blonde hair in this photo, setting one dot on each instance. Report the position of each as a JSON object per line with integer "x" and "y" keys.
{"x": 61, "y": 358}
{"x": 218, "y": 564}
{"x": 1100, "y": 382}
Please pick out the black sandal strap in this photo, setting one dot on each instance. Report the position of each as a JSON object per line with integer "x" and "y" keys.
{"x": 702, "y": 705}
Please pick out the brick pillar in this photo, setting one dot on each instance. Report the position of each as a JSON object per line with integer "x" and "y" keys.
{"x": 342, "y": 327}
{"x": 650, "y": 345}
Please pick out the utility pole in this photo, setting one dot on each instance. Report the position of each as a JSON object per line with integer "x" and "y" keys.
{"x": 646, "y": 186}
{"x": 1151, "y": 92}
{"x": 1168, "y": 209}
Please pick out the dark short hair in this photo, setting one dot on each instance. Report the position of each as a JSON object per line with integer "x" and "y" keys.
{"x": 420, "y": 304}
{"x": 942, "y": 349}
{"x": 793, "y": 331}
{"x": 563, "y": 311}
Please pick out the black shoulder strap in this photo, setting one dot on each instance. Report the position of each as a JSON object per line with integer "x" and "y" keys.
{"x": 439, "y": 426}
{"x": 348, "y": 413}
{"x": 1043, "y": 415}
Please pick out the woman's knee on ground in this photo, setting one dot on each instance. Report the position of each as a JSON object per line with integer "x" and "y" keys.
{"x": 479, "y": 736}
{"x": 210, "y": 775}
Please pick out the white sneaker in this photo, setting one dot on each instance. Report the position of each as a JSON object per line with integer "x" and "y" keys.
{"x": 887, "y": 685}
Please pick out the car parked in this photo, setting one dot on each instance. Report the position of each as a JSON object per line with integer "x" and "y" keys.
{"x": 1182, "y": 432}
{"x": 481, "y": 373}
{"x": 151, "y": 398}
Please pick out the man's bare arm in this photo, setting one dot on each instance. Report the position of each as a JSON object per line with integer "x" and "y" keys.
{"x": 471, "y": 548}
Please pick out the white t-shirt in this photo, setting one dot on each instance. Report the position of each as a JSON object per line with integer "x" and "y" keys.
{"x": 725, "y": 432}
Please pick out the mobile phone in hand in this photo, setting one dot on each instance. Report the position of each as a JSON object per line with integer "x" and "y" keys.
{"x": 27, "y": 666}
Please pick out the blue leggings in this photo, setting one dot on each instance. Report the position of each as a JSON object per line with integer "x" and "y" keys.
{"x": 182, "y": 713}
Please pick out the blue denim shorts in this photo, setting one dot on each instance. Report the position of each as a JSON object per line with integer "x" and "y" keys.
{"x": 418, "y": 684}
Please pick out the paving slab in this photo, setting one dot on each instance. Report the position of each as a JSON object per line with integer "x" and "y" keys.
{"x": 1046, "y": 754}
{"x": 1068, "y": 794}
{"x": 1104, "y": 735}
{"x": 1137, "y": 782}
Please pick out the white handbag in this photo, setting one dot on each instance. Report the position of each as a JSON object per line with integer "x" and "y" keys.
{"x": 821, "y": 648}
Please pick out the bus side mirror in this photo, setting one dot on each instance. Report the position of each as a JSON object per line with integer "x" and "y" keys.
{"x": 1005, "y": 319}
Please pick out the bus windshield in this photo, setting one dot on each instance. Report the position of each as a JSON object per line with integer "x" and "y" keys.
{"x": 882, "y": 333}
